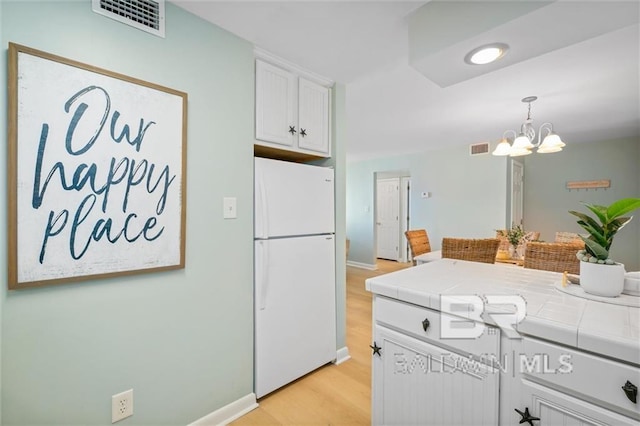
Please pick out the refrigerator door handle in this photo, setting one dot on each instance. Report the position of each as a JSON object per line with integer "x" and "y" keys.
{"x": 262, "y": 284}
{"x": 263, "y": 229}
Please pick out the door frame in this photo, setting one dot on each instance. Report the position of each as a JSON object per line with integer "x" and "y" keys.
{"x": 520, "y": 200}
{"x": 405, "y": 219}
{"x": 404, "y": 211}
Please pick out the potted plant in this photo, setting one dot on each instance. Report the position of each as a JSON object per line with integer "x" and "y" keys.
{"x": 599, "y": 274}
{"x": 515, "y": 236}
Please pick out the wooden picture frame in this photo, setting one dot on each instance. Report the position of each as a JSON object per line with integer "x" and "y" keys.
{"x": 96, "y": 172}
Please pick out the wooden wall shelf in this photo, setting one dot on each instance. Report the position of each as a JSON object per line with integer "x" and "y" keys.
{"x": 589, "y": 184}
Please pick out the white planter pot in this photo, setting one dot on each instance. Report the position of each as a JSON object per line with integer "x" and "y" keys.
{"x": 602, "y": 280}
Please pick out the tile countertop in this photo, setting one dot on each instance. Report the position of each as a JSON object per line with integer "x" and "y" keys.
{"x": 602, "y": 328}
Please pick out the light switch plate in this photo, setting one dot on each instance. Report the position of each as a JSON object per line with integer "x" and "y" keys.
{"x": 229, "y": 208}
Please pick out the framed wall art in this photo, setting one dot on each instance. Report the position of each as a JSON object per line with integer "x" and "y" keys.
{"x": 96, "y": 172}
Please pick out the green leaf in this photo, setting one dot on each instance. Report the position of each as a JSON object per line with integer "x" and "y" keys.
{"x": 596, "y": 234}
{"x": 615, "y": 226}
{"x": 619, "y": 223}
{"x": 596, "y": 249}
{"x": 621, "y": 207}
{"x": 600, "y": 211}
{"x": 587, "y": 219}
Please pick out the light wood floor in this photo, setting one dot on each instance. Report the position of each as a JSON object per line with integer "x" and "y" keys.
{"x": 333, "y": 394}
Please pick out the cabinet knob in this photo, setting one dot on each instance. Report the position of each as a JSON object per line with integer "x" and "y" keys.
{"x": 303, "y": 132}
{"x": 425, "y": 324}
{"x": 292, "y": 130}
{"x": 631, "y": 391}
{"x": 376, "y": 349}
{"x": 527, "y": 417}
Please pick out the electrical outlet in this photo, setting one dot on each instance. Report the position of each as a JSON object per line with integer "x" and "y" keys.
{"x": 121, "y": 406}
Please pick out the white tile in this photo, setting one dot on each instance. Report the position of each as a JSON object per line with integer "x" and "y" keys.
{"x": 549, "y": 330}
{"x": 552, "y": 315}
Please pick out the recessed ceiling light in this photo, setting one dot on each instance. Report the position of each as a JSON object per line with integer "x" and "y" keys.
{"x": 486, "y": 54}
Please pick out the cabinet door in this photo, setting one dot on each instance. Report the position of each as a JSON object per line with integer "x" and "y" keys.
{"x": 416, "y": 383}
{"x": 556, "y": 408}
{"x": 276, "y": 95}
{"x": 313, "y": 116}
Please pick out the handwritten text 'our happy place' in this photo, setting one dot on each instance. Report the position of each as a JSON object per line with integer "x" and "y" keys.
{"x": 133, "y": 176}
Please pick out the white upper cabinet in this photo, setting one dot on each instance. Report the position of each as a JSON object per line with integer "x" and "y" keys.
{"x": 292, "y": 112}
{"x": 313, "y": 116}
{"x": 276, "y": 101}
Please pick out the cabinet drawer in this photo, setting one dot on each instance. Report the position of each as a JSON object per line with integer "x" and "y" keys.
{"x": 583, "y": 375}
{"x": 409, "y": 318}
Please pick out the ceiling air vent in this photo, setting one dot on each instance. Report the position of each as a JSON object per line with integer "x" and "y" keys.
{"x": 479, "y": 148}
{"x": 146, "y": 15}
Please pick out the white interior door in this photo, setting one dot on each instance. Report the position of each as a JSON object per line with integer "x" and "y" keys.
{"x": 517, "y": 193}
{"x": 388, "y": 218}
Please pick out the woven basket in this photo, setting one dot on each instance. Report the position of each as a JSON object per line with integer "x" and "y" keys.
{"x": 556, "y": 257}
{"x": 480, "y": 250}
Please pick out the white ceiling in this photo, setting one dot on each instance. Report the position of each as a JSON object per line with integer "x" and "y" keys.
{"x": 581, "y": 59}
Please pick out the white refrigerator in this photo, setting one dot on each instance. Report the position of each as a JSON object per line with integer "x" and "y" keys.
{"x": 294, "y": 284}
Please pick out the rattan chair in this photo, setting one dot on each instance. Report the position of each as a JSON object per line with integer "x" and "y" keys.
{"x": 567, "y": 237}
{"x": 480, "y": 250}
{"x": 556, "y": 257}
{"x": 501, "y": 234}
{"x": 418, "y": 242}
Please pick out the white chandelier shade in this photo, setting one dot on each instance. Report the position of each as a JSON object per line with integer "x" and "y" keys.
{"x": 523, "y": 142}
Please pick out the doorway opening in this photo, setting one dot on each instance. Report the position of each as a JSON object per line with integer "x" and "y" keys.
{"x": 392, "y": 219}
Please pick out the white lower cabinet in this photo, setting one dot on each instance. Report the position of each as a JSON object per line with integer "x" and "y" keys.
{"x": 565, "y": 386}
{"x": 421, "y": 378}
{"x": 416, "y": 383}
{"x": 548, "y": 407}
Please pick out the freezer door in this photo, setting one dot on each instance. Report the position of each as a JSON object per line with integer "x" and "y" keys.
{"x": 295, "y": 314}
{"x": 292, "y": 199}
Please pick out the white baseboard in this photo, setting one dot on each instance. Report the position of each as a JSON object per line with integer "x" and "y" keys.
{"x": 368, "y": 266}
{"x": 229, "y": 412}
{"x": 342, "y": 355}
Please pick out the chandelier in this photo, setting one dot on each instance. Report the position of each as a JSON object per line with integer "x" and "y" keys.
{"x": 523, "y": 142}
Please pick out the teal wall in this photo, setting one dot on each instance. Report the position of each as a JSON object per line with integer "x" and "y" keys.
{"x": 467, "y": 197}
{"x": 471, "y": 195}
{"x": 183, "y": 340}
{"x": 547, "y": 200}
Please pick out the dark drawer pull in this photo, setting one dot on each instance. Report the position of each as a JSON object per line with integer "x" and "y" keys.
{"x": 631, "y": 391}
{"x": 526, "y": 416}
{"x": 376, "y": 349}
{"x": 425, "y": 324}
